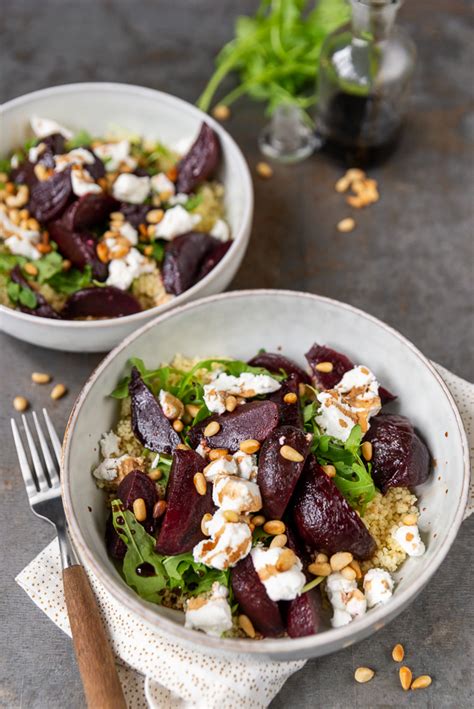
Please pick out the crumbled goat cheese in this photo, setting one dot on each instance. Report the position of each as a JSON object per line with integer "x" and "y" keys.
{"x": 108, "y": 469}
{"x": 223, "y": 385}
{"x": 129, "y": 232}
{"x": 408, "y": 537}
{"x": 35, "y": 152}
{"x": 21, "y": 242}
{"x": 114, "y": 154}
{"x": 131, "y": 188}
{"x": 221, "y": 466}
{"x": 246, "y": 465}
{"x": 347, "y": 600}
{"x": 78, "y": 156}
{"x": 220, "y": 230}
{"x": 123, "y": 271}
{"x": 82, "y": 183}
{"x": 179, "y": 198}
{"x": 233, "y": 493}
{"x": 176, "y": 221}
{"x": 109, "y": 444}
{"x": 212, "y": 615}
{"x": 378, "y": 587}
{"x": 162, "y": 185}
{"x": 229, "y": 542}
{"x": 14, "y": 161}
{"x": 42, "y": 127}
{"x": 279, "y": 585}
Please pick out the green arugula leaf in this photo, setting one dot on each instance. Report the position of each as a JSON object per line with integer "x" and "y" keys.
{"x": 13, "y": 291}
{"x": 28, "y": 298}
{"x": 5, "y": 165}
{"x": 48, "y": 266}
{"x": 68, "y": 282}
{"x": 192, "y": 577}
{"x": 81, "y": 139}
{"x": 193, "y": 202}
{"x": 9, "y": 261}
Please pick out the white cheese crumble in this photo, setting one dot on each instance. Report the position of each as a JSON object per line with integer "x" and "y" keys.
{"x": 35, "y": 152}
{"x": 378, "y": 587}
{"x": 109, "y": 444}
{"x": 212, "y": 615}
{"x": 408, "y": 537}
{"x": 248, "y": 384}
{"x": 114, "y": 154}
{"x": 347, "y": 600}
{"x": 220, "y": 230}
{"x": 233, "y": 493}
{"x": 279, "y": 585}
{"x": 163, "y": 186}
{"x": 78, "y": 156}
{"x": 180, "y": 198}
{"x": 221, "y": 466}
{"x": 42, "y": 127}
{"x": 229, "y": 542}
{"x": 176, "y": 221}
{"x": 21, "y": 242}
{"x": 129, "y": 232}
{"x": 131, "y": 188}
{"x": 123, "y": 271}
{"x": 14, "y": 161}
{"x": 108, "y": 469}
{"x": 246, "y": 465}
{"x": 82, "y": 183}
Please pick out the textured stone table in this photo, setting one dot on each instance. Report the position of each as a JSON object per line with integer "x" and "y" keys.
{"x": 409, "y": 262}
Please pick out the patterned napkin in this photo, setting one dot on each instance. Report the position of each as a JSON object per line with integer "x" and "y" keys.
{"x": 156, "y": 672}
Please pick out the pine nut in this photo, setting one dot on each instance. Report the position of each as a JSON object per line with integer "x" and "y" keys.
{"x": 279, "y": 541}
{"x": 321, "y": 558}
{"x": 102, "y": 252}
{"x": 58, "y": 391}
{"x": 356, "y": 566}
{"x": 410, "y": 520}
{"x": 367, "y": 451}
{"x": 301, "y": 389}
{"x": 218, "y": 453}
{"x": 264, "y": 170}
{"x": 290, "y": 398}
{"x": 66, "y": 265}
{"x": 154, "y": 216}
{"x": 30, "y": 269}
{"x": 20, "y": 403}
{"x": 342, "y": 185}
{"x": 421, "y": 682}
{"x": 348, "y": 573}
{"x": 192, "y": 409}
{"x": 290, "y": 453}
{"x": 330, "y": 470}
{"x": 206, "y": 518}
{"x": 274, "y": 527}
{"x": 258, "y": 520}
{"x": 139, "y": 509}
{"x": 178, "y": 426}
{"x": 221, "y": 112}
{"x": 230, "y": 403}
{"x": 405, "y": 675}
{"x": 40, "y": 378}
{"x": 319, "y": 568}
{"x": 159, "y": 509}
{"x": 117, "y": 216}
{"x": 363, "y": 674}
{"x": 182, "y": 447}
{"x": 249, "y": 446}
{"x": 325, "y": 367}
{"x": 346, "y": 225}
{"x": 286, "y": 560}
{"x": 212, "y": 428}
{"x": 231, "y": 516}
{"x": 155, "y": 474}
{"x": 355, "y": 173}
{"x": 33, "y": 224}
{"x": 246, "y": 625}
{"x": 341, "y": 559}
{"x": 398, "y": 653}
{"x": 200, "y": 483}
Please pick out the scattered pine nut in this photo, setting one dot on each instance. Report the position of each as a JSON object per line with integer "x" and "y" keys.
{"x": 367, "y": 451}
{"x": 319, "y": 568}
{"x": 342, "y": 185}
{"x": 182, "y": 447}
{"x": 212, "y": 428}
{"x": 20, "y": 403}
{"x": 274, "y": 527}
{"x": 249, "y": 446}
{"x": 221, "y": 112}
{"x": 218, "y": 453}
{"x": 346, "y": 225}
{"x": 258, "y": 520}
{"x": 58, "y": 391}
{"x": 290, "y": 453}
{"x": 246, "y": 625}
{"x": 264, "y": 170}
{"x": 40, "y": 378}
{"x": 321, "y": 558}
{"x": 405, "y": 675}
{"x": 356, "y": 566}
{"x": 325, "y": 367}
{"x": 410, "y": 519}
{"x": 139, "y": 509}
{"x": 421, "y": 682}
{"x": 178, "y": 426}
{"x": 155, "y": 474}
{"x": 398, "y": 653}
{"x": 290, "y": 398}
{"x": 200, "y": 483}
{"x": 349, "y": 573}
{"x": 154, "y": 216}
{"x": 330, "y": 470}
{"x": 279, "y": 541}
{"x": 159, "y": 509}
{"x": 206, "y": 518}
{"x": 231, "y": 516}
{"x": 192, "y": 409}
{"x": 230, "y": 403}
{"x": 30, "y": 269}
{"x": 363, "y": 674}
{"x": 340, "y": 560}
{"x": 286, "y": 560}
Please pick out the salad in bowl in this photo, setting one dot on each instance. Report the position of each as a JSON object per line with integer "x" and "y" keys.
{"x": 259, "y": 498}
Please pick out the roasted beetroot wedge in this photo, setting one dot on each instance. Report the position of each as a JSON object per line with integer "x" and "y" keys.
{"x": 303, "y": 614}
{"x": 135, "y": 214}
{"x": 49, "y": 199}
{"x": 137, "y": 485}
{"x": 116, "y": 547}
{"x": 180, "y": 530}
{"x": 24, "y": 174}
{"x": 254, "y": 601}
{"x": 201, "y": 161}
{"x": 215, "y": 255}
{"x": 254, "y": 420}
{"x": 78, "y": 247}
{"x": 399, "y": 457}
{"x": 276, "y": 362}
{"x": 183, "y": 258}
{"x": 55, "y": 143}
{"x": 89, "y": 210}
{"x": 323, "y": 518}
{"x": 149, "y": 423}
{"x": 290, "y": 413}
{"x": 100, "y": 302}
{"x": 43, "y": 308}
{"x": 277, "y": 476}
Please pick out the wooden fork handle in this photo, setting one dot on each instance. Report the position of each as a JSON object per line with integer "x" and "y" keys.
{"x": 93, "y": 652}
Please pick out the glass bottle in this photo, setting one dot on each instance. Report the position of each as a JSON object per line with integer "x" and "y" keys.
{"x": 363, "y": 83}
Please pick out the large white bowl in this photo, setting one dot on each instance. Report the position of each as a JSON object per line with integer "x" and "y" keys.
{"x": 238, "y": 324}
{"x": 96, "y": 107}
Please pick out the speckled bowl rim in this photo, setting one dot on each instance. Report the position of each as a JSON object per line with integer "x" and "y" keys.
{"x": 246, "y": 188}
{"x": 312, "y": 644}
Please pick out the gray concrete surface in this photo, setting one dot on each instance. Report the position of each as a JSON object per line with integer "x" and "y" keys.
{"x": 410, "y": 262}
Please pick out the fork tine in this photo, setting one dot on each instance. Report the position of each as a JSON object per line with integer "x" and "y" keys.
{"x": 28, "y": 479}
{"x": 37, "y": 464}
{"x": 53, "y": 436}
{"x": 50, "y": 467}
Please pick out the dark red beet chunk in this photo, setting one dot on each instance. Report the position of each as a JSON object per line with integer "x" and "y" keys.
{"x": 255, "y": 420}
{"x": 100, "y": 302}
{"x": 212, "y": 259}
{"x": 48, "y": 199}
{"x": 183, "y": 258}
{"x": 201, "y": 161}
{"x": 276, "y": 362}
{"x": 290, "y": 414}
{"x": 55, "y": 143}
{"x": 116, "y": 547}
{"x": 78, "y": 247}
{"x": 89, "y": 210}
{"x": 149, "y": 423}
{"x": 323, "y": 518}
{"x": 24, "y": 174}
{"x": 303, "y": 614}
{"x": 96, "y": 169}
{"x": 277, "y": 476}
{"x": 134, "y": 213}
{"x": 181, "y": 526}
{"x": 43, "y": 308}
{"x": 399, "y": 458}
{"x": 254, "y": 601}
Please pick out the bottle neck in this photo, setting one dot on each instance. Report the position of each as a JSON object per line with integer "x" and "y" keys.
{"x": 373, "y": 19}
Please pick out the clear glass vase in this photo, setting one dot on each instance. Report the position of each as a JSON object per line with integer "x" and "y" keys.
{"x": 363, "y": 83}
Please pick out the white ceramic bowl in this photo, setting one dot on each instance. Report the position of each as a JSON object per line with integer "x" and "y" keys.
{"x": 237, "y": 324}
{"x": 96, "y": 107}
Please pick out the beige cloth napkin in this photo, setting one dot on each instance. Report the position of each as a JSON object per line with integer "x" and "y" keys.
{"x": 156, "y": 672}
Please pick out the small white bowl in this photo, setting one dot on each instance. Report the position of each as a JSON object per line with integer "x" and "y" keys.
{"x": 238, "y": 324}
{"x": 96, "y": 108}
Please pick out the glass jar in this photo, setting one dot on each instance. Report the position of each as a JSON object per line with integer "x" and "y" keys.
{"x": 363, "y": 83}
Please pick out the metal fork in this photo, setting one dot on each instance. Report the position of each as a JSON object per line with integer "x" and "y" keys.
{"x": 93, "y": 652}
